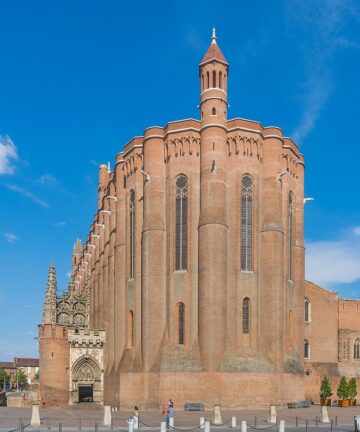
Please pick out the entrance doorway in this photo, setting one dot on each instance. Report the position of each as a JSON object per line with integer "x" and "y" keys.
{"x": 86, "y": 393}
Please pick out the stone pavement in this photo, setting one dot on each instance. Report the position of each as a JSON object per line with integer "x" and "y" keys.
{"x": 86, "y": 415}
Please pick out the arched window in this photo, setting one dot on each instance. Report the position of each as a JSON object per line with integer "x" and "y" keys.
{"x": 214, "y": 79}
{"x": 220, "y": 79}
{"x": 207, "y": 80}
{"x": 246, "y": 315}
{"x": 202, "y": 82}
{"x": 357, "y": 349}
{"x": 132, "y": 233}
{"x": 246, "y": 223}
{"x": 291, "y": 223}
{"x": 181, "y": 195}
{"x": 130, "y": 329}
{"x": 306, "y": 349}
{"x": 213, "y": 111}
{"x": 307, "y": 310}
{"x": 181, "y": 323}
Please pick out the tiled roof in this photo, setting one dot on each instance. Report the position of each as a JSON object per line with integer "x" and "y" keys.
{"x": 26, "y": 362}
{"x": 214, "y": 52}
{"x": 7, "y": 365}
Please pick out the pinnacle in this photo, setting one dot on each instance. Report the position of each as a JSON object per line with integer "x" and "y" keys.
{"x": 214, "y": 52}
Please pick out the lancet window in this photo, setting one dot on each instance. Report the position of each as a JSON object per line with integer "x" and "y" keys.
{"x": 132, "y": 233}
{"x": 246, "y": 316}
{"x": 306, "y": 349}
{"x": 181, "y": 202}
{"x": 357, "y": 349}
{"x": 181, "y": 323}
{"x": 246, "y": 244}
{"x": 307, "y": 310}
{"x": 291, "y": 229}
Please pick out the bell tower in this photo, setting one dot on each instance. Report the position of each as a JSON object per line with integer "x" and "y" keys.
{"x": 213, "y": 228}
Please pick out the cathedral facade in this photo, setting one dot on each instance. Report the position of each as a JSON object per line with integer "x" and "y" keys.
{"x": 190, "y": 284}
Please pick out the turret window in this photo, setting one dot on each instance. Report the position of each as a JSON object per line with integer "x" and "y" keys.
{"x": 132, "y": 233}
{"x": 214, "y": 79}
{"x": 202, "y": 82}
{"x": 181, "y": 196}
{"x": 220, "y": 79}
{"x": 207, "y": 80}
{"x": 213, "y": 111}
{"x": 246, "y": 223}
{"x": 246, "y": 316}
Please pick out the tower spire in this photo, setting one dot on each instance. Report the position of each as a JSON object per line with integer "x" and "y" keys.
{"x": 49, "y": 310}
{"x": 213, "y": 37}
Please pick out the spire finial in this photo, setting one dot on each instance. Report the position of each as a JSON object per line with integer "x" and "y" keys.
{"x": 213, "y": 37}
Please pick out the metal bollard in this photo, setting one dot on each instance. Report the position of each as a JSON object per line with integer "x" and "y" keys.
{"x": 332, "y": 426}
{"x": 233, "y": 422}
{"x": 316, "y": 421}
{"x": 243, "y": 426}
{"x": 255, "y": 422}
{"x": 60, "y": 427}
{"x": 79, "y": 424}
{"x": 207, "y": 426}
{"x": 307, "y": 425}
{"x": 336, "y": 421}
{"x": 96, "y": 427}
{"x": 282, "y": 426}
{"x": 162, "y": 427}
{"x": 112, "y": 424}
{"x": 48, "y": 424}
{"x": 296, "y": 421}
{"x": 202, "y": 421}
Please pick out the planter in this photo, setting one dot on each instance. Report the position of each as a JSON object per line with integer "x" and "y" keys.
{"x": 326, "y": 402}
{"x": 352, "y": 402}
{"x": 343, "y": 403}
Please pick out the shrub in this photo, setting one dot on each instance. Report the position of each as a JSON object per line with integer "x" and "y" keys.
{"x": 352, "y": 388}
{"x": 325, "y": 388}
{"x": 343, "y": 389}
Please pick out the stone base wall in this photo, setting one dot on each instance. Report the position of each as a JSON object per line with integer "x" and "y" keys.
{"x": 229, "y": 389}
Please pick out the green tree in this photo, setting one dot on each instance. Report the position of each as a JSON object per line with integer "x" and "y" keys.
{"x": 4, "y": 378}
{"x": 343, "y": 389}
{"x": 21, "y": 378}
{"x": 352, "y": 388}
{"x": 325, "y": 388}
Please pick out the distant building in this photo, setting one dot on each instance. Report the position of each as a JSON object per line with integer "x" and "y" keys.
{"x": 191, "y": 281}
{"x": 30, "y": 366}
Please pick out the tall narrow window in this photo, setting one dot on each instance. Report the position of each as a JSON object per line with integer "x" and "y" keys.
{"x": 291, "y": 223}
{"x": 214, "y": 79}
{"x": 220, "y": 79}
{"x": 357, "y": 349}
{"x": 181, "y": 195}
{"x": 306, "y": 349}
{"x": 207, "y": 80}
{"x": 246, "y": 316}
{"x": 132, "y": 233}
{"x": 130, "y": 329}
{"x": 246, "y": 223}
{"x": 181, "y": 323}
{"x": 307, "y": 310}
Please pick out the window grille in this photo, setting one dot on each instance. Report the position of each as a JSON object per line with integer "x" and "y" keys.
{"x": 291, "y": 222}
{"x": 246, "y": 316}
{"x": 132, "y": 233}
{"x": 357, "y": 349}
{"x": 306, "y": 349}
{"x": 181, "y": 201}
{"x": 181, "y": 323}
{"x": 307, "y": 310}
{"x": 246, "y": 223}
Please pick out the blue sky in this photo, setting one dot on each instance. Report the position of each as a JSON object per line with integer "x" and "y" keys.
{"x": 79, "y": 79}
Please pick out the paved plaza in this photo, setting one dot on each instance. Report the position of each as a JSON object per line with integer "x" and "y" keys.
{"x": 87, "y": 415}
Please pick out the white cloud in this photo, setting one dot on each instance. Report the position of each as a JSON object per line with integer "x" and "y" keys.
{"x": 11, "y": 238}
{"x": 27, "y": 194}
{"x": 8, "y": 154}
{"x": 331, "y": 263}
{"x": 48, "y": 179}
{"x": 68, "y": 274}
{"x": 325, "y": 23}
{"x": 60, "y": 224}
{"x": 357, "y": 230}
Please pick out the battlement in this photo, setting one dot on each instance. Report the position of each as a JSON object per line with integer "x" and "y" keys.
{"x": 86, "y": 338}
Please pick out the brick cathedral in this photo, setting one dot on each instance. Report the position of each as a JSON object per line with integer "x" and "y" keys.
{"x": 191, "y": 283}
